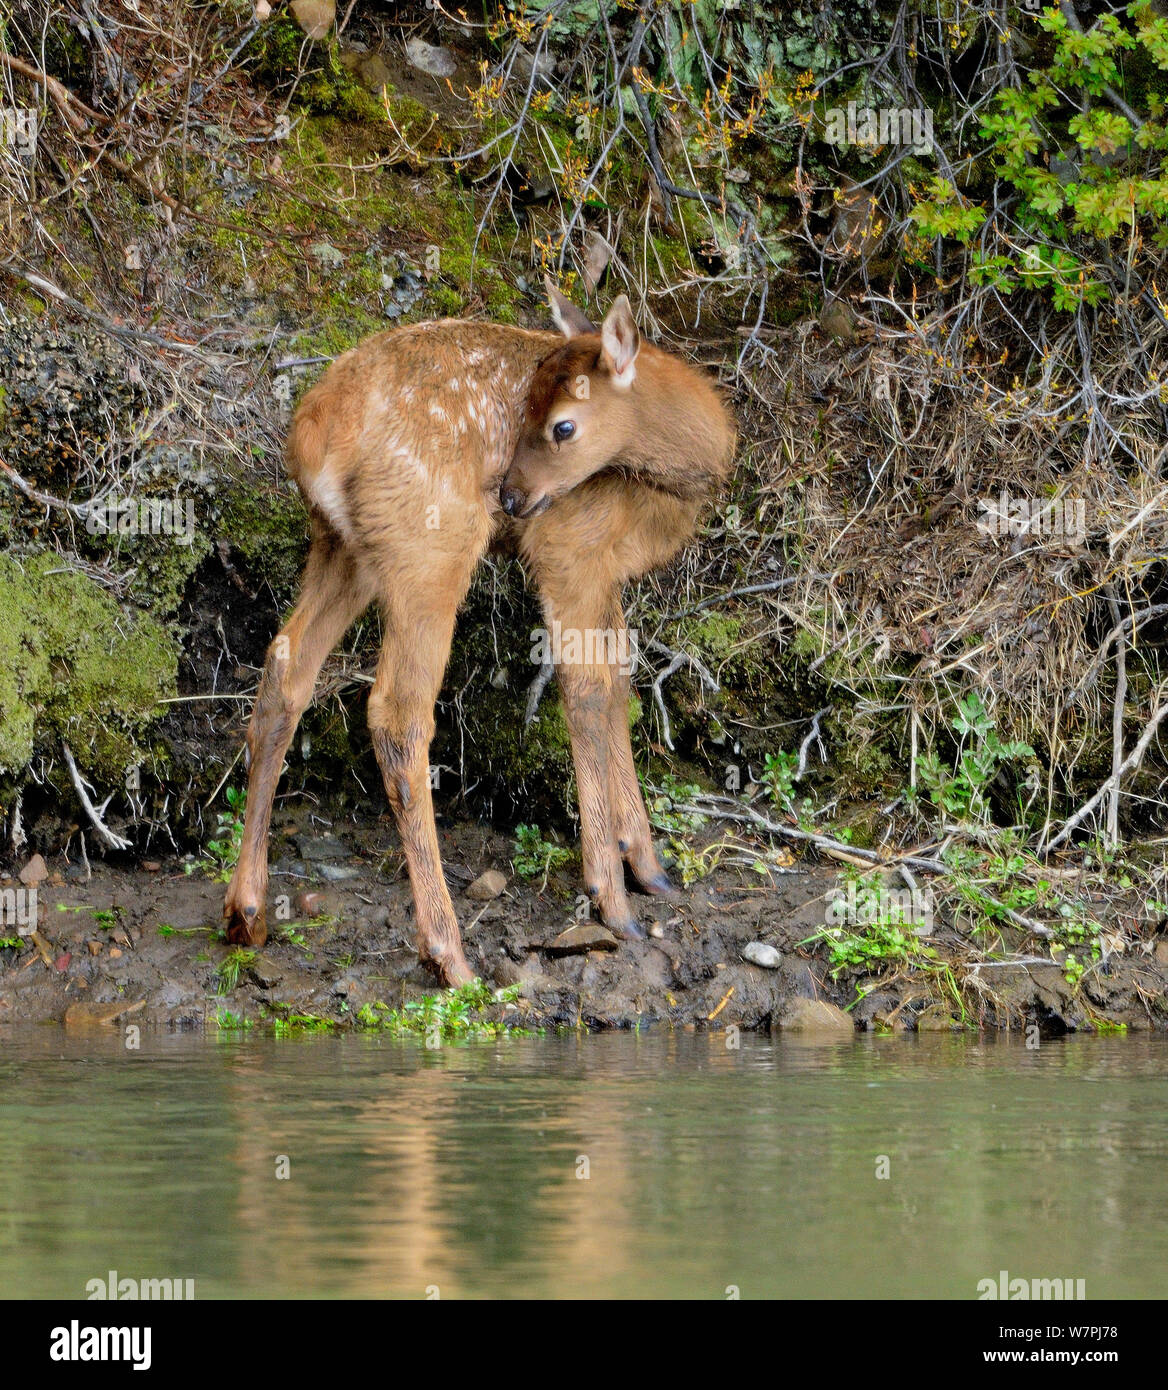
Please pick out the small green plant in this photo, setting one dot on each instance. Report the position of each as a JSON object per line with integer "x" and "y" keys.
{"x": 665, "y": 807}
{"x": 452, "y": 1016}
{"x": 10, "y": 943}
{"x": 227, "y": 1022}
{"x": 223, "y": 851}
{"x": 779, "y": 773}
{"x": 534, "y": 856}
{"x": 961, "y": 793}
{"x": 229, "y": 969}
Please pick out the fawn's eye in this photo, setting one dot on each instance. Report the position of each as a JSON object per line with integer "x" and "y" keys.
{"x": 565, "y": 429}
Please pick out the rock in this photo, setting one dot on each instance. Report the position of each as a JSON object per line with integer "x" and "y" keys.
{"x": 262, "y": 11}
{"x": 1161, "y": 953}
{"x": 94, "y": 947}
{"x": 815, "y": 1016}
{"x": 265, "y": 973}
{"x": 151, "y": 866}
{"x": 316, "y": 848}
{"x": 374, "y": 72}
{"x": 428, "y": 57}
{"x": 657, "y": 931}
{"x": 34, "y": 872}
{"x": 759, "y": 953}
{"x": 337, "y": 873}
{"x": 86, "y": 1015}
{"x": 586, "y": 936}
{"x": 115, "y": 954}
{"x": 487, "y": 886}
{"x": 315, "y": 17}
{"x": 309, "y": 903}
{"x": 935, "y": 1019}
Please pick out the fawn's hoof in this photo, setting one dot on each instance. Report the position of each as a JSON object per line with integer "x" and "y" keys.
{"x": 246, "y": 926}
{"x": 628, "y": 930}
{"x": 659, "y": 884}
{"x": 449, "y": 968}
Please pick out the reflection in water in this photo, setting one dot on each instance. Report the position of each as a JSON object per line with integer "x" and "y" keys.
{"x": 661, "y": 1165}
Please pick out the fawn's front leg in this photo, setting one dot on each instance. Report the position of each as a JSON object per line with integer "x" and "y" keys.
{"x": 333, "y": 592}
{"x": 586, "y": 612}
{"x": 629, "y": 819}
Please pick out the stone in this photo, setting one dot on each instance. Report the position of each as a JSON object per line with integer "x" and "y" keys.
{"x": 309, "y": 903}
{"x": 935, "y": 1019}
{"x": 815, "y": 1016}
{"x": 315, "y": 849}
{"x": 487, "y": 886}
{"x": 374, "y": 72}
{"x": 760, "y": 954}
{"x": 431, "y": 58}
{"x": 1161, "y": 952}
{"x": 586, "y": 936}
{"x": 34, "y": 872}
{"x": 315, "y": 17}
{"x": 337, "y": 873}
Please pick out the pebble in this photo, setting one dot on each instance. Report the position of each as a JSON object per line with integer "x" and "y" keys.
{"x": 487, "y": 886}
{"x": 586, "y": 936}
{"x": 34, "y": 872}
{"x": 759, "y": 953}
{"x": 431, "y": 58}
{"x": 338, "y": 873}
{"x": 308, "y": 903}
{"x": 815, "y": 1016}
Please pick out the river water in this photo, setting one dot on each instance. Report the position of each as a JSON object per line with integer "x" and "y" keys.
{"x": 619, "y": 1165}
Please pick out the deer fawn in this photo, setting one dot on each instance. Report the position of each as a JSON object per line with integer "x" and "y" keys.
{"x": 416, "y": 450}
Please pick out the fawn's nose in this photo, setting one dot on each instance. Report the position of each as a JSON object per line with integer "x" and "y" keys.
{"x": 511, "y": 499}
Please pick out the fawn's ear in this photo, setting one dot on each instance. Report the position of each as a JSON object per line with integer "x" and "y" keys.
{"x": 621, "y": 342}
{"x": 568, "y": 319}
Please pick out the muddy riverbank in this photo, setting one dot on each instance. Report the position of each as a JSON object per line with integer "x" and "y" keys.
{"x": 141, "y": 943}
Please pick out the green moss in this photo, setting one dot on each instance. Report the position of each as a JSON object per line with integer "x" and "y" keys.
{"x": 75, "y": 666}
{"x": 267, "y": 527}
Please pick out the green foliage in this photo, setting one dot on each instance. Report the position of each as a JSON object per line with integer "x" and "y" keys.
{"x": 1080, "y": 169}
{"x": 664, "y": 807}
{"x": 452, "y": 1016}
{"x": 229, "y": 969}
{"x": 534, "y": 856}
{"x": 962, "y": 792}
{"x": 778, "y": 776}
{"x": 223, "y": 851}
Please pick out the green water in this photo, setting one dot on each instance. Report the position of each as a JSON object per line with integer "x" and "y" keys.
{"x": 594, "y": 1166}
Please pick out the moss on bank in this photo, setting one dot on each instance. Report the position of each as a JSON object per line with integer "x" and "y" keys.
{"x": 76, "y": 667}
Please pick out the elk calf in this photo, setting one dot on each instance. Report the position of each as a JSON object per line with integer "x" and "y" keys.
{"x": 414, "y": 452}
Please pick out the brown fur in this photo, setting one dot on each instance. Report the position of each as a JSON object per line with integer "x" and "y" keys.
{"x": 400, "y": 451}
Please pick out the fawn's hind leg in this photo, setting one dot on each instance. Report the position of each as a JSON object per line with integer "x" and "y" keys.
{"x": 630, "y": 820}
{"x": 419, "y": 622}
{"x": 333, "y": 592}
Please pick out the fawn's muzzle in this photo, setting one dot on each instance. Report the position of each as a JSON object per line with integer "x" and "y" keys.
{"x": 511, "y": 499}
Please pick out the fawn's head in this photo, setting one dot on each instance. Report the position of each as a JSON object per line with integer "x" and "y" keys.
{"x": 581, "y": 410}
